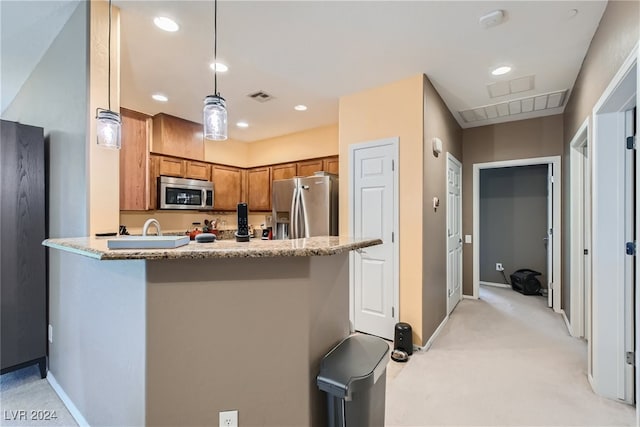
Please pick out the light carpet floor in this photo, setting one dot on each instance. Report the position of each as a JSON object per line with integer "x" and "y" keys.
{"x": 503, "y": 360}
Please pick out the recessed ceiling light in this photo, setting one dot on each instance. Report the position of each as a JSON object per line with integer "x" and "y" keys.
{"x": 300, "y": 107}
{"x": 220, "y": 66}
{"x": 166, "y": 24}
{"x": 242, "y": 124}
{"x": 501, "y": 70}
{"x": 159, "y": 97}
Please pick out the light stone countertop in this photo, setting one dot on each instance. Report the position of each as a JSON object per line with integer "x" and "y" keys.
{"x": 96, "y": 247}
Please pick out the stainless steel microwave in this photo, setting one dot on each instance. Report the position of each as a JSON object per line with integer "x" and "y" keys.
{"x": 180, "y": 193}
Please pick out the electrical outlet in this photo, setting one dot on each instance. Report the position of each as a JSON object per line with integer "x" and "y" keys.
{"x": 50, "y": 334}
{"x": 229, "y": 419}
{"x": 499, "y": 266}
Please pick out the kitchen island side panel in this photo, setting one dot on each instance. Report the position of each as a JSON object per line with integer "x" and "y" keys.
{"x": 242, "y": 333}
{"x": 97, "y": 357}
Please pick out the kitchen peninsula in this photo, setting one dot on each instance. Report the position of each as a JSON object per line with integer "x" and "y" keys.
{"x": 174, "y": 336}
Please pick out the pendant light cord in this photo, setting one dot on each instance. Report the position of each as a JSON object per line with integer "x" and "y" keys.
{"x": 109, "y": 60}
{"x": 215, "y": 47}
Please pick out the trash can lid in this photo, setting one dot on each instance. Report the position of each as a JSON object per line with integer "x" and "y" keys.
{"x": 354, "y": 364}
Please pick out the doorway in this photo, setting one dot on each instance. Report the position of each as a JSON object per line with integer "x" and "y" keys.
{"x": 373, "y": 213}
{"x": 612, "y": 344}
{"x": 554, "y": 268}
{"x": 454, "y": 232}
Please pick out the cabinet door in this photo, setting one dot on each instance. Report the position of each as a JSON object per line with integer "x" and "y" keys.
{"x": 134, "y": 161}
{"x": 285, "y": 171}
{"x": 168, "y": 166}
{"x": 198, "y": 170}
{"x": 259, "y": 189}
{"x": 174, "y": 136}
{"x": 331, "y": 165}
{"x": 309, "y": 167}
{"x": 154, "y": 173}
{"x": 227, "y": 187}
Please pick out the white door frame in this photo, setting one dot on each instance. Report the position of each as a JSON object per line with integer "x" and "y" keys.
{"x": 577, "y": 327}
{"x": 557, "y": 214}
{"x": 608, "y": 258}
{"x": 452, "y": 158}
{"x": 396, "y": 223}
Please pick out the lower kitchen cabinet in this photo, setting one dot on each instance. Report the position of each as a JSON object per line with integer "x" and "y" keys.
{"x": 227, "y": 187}
{"x": 259, "y": 188}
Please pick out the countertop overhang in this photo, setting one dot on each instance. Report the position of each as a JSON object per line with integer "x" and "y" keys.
{"x": 96, "y": 247}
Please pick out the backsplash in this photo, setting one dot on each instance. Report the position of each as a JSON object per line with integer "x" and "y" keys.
{"x": 175, "y": 221}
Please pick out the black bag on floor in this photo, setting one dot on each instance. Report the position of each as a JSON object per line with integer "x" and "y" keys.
{"x": 525, "y": 282}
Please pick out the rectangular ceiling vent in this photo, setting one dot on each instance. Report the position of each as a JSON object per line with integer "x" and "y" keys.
{"x": 517, "y": 106}
{"x": 260, "y": 96}
{"x": 509, "y": 87}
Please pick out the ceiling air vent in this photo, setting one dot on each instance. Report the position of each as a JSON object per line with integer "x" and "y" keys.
{"x": 545, "y": 101}
{"x": 260, "y": 96}
{"x": 509, "y": 87}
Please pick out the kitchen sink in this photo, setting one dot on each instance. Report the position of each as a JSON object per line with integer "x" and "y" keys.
{"x": 147, "y": 242}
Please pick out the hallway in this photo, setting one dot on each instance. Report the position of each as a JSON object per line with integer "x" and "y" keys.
{"x": 505, "y": 359}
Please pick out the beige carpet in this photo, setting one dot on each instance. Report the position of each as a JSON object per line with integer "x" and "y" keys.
{"x": 503, "y": 360}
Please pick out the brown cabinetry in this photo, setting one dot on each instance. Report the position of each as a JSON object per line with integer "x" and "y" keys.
{"x": 259, "y": 189}
{"x": 174, "y": 136}
{"x": 227, "y": 187}
{"x": 284, "y": 171}
{"x": 134, "y": 161}
{"x": 309, "y": 167}
{"x": 168, "y": 166}
{"x": 331, "y": 165}
{"x": 197, "y": 170}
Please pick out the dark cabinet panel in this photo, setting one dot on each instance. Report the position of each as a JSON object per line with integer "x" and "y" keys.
{"x": 23, "y": 301}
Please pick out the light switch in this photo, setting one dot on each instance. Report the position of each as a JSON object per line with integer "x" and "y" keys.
{"x": 467, "y": 238}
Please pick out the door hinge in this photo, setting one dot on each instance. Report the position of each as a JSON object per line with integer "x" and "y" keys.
{"x": 551, "y": 179}
{"x": 551, "y": 232}
{"x": 393, "y": 237}
{"x": 586, "y": 251}
{"x": 393, "y": 312}
{"x": 631, "y": 358}
{"x": 450, "y": 292}
{"x": 630, "y": 248}
{"x": 631, "y": 143}
{"x": 393, "y": 165}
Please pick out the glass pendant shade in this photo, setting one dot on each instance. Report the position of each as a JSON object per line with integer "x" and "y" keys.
{"x": 215, "y": 118}
{"x": 108, "y": 129}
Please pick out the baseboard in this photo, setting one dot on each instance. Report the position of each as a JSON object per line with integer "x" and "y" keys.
{"x": 469, "y": 297}
{"x": 435, "y": 334}
{"x": 566, "y": 321}
{"x": 497, "y": 285}
{"x": 590, "y": 378}
{"x": 73, "y": 410}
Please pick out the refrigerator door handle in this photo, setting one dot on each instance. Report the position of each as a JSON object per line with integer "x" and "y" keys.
{"x": 303, "y": 211}
{"x": 293, "y": 220}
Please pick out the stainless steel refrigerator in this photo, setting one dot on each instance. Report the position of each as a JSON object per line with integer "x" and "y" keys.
{"x": 305, "y": 207}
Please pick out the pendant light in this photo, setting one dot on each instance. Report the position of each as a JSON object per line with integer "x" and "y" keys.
{"x": 108, "y": 122}
{"x": 215, "y": 108}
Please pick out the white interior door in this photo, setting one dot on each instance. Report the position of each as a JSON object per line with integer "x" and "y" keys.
{"x": 374, "y": 190}
{"x": 454, "y": 232}
{"x": 630, "y": 236}
{"x": 549, "y": 237}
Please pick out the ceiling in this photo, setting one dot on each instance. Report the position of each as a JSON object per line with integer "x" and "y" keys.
{"x": 314, "y": 52}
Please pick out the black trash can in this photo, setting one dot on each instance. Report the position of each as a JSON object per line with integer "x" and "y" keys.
{"x": 403, "y": 338}
{"x": 353, "y": 374}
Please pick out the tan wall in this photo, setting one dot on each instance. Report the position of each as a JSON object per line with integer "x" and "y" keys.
{"x": 393, "y": 110}
{"x": 229, "y": 152}
{"x": 522, "y": 139}
{"x": 103, "y": 165}
{"x": 617, "y": 34}
{"x": 317, "y": 142}
{"x": 438, "y": 122}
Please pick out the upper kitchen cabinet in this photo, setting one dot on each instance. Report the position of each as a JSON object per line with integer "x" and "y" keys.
{"x": 331, "y": 165}
{"x": 174, "y": 136}
{"x": 259, "y": 189}
{"x": 134, "y": 161}
{"x": 285, "y": 171}
{"x": 198, "y": 170}
{"x": 227, "y": 187}
{"x": 168, "y": 166}
{"x": 309, "y": 167}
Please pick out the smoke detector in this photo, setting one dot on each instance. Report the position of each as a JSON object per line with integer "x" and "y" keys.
{"x": 492, "y": 19}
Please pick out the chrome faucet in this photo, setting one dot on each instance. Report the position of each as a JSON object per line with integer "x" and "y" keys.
{"x": 150, "y": 222}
